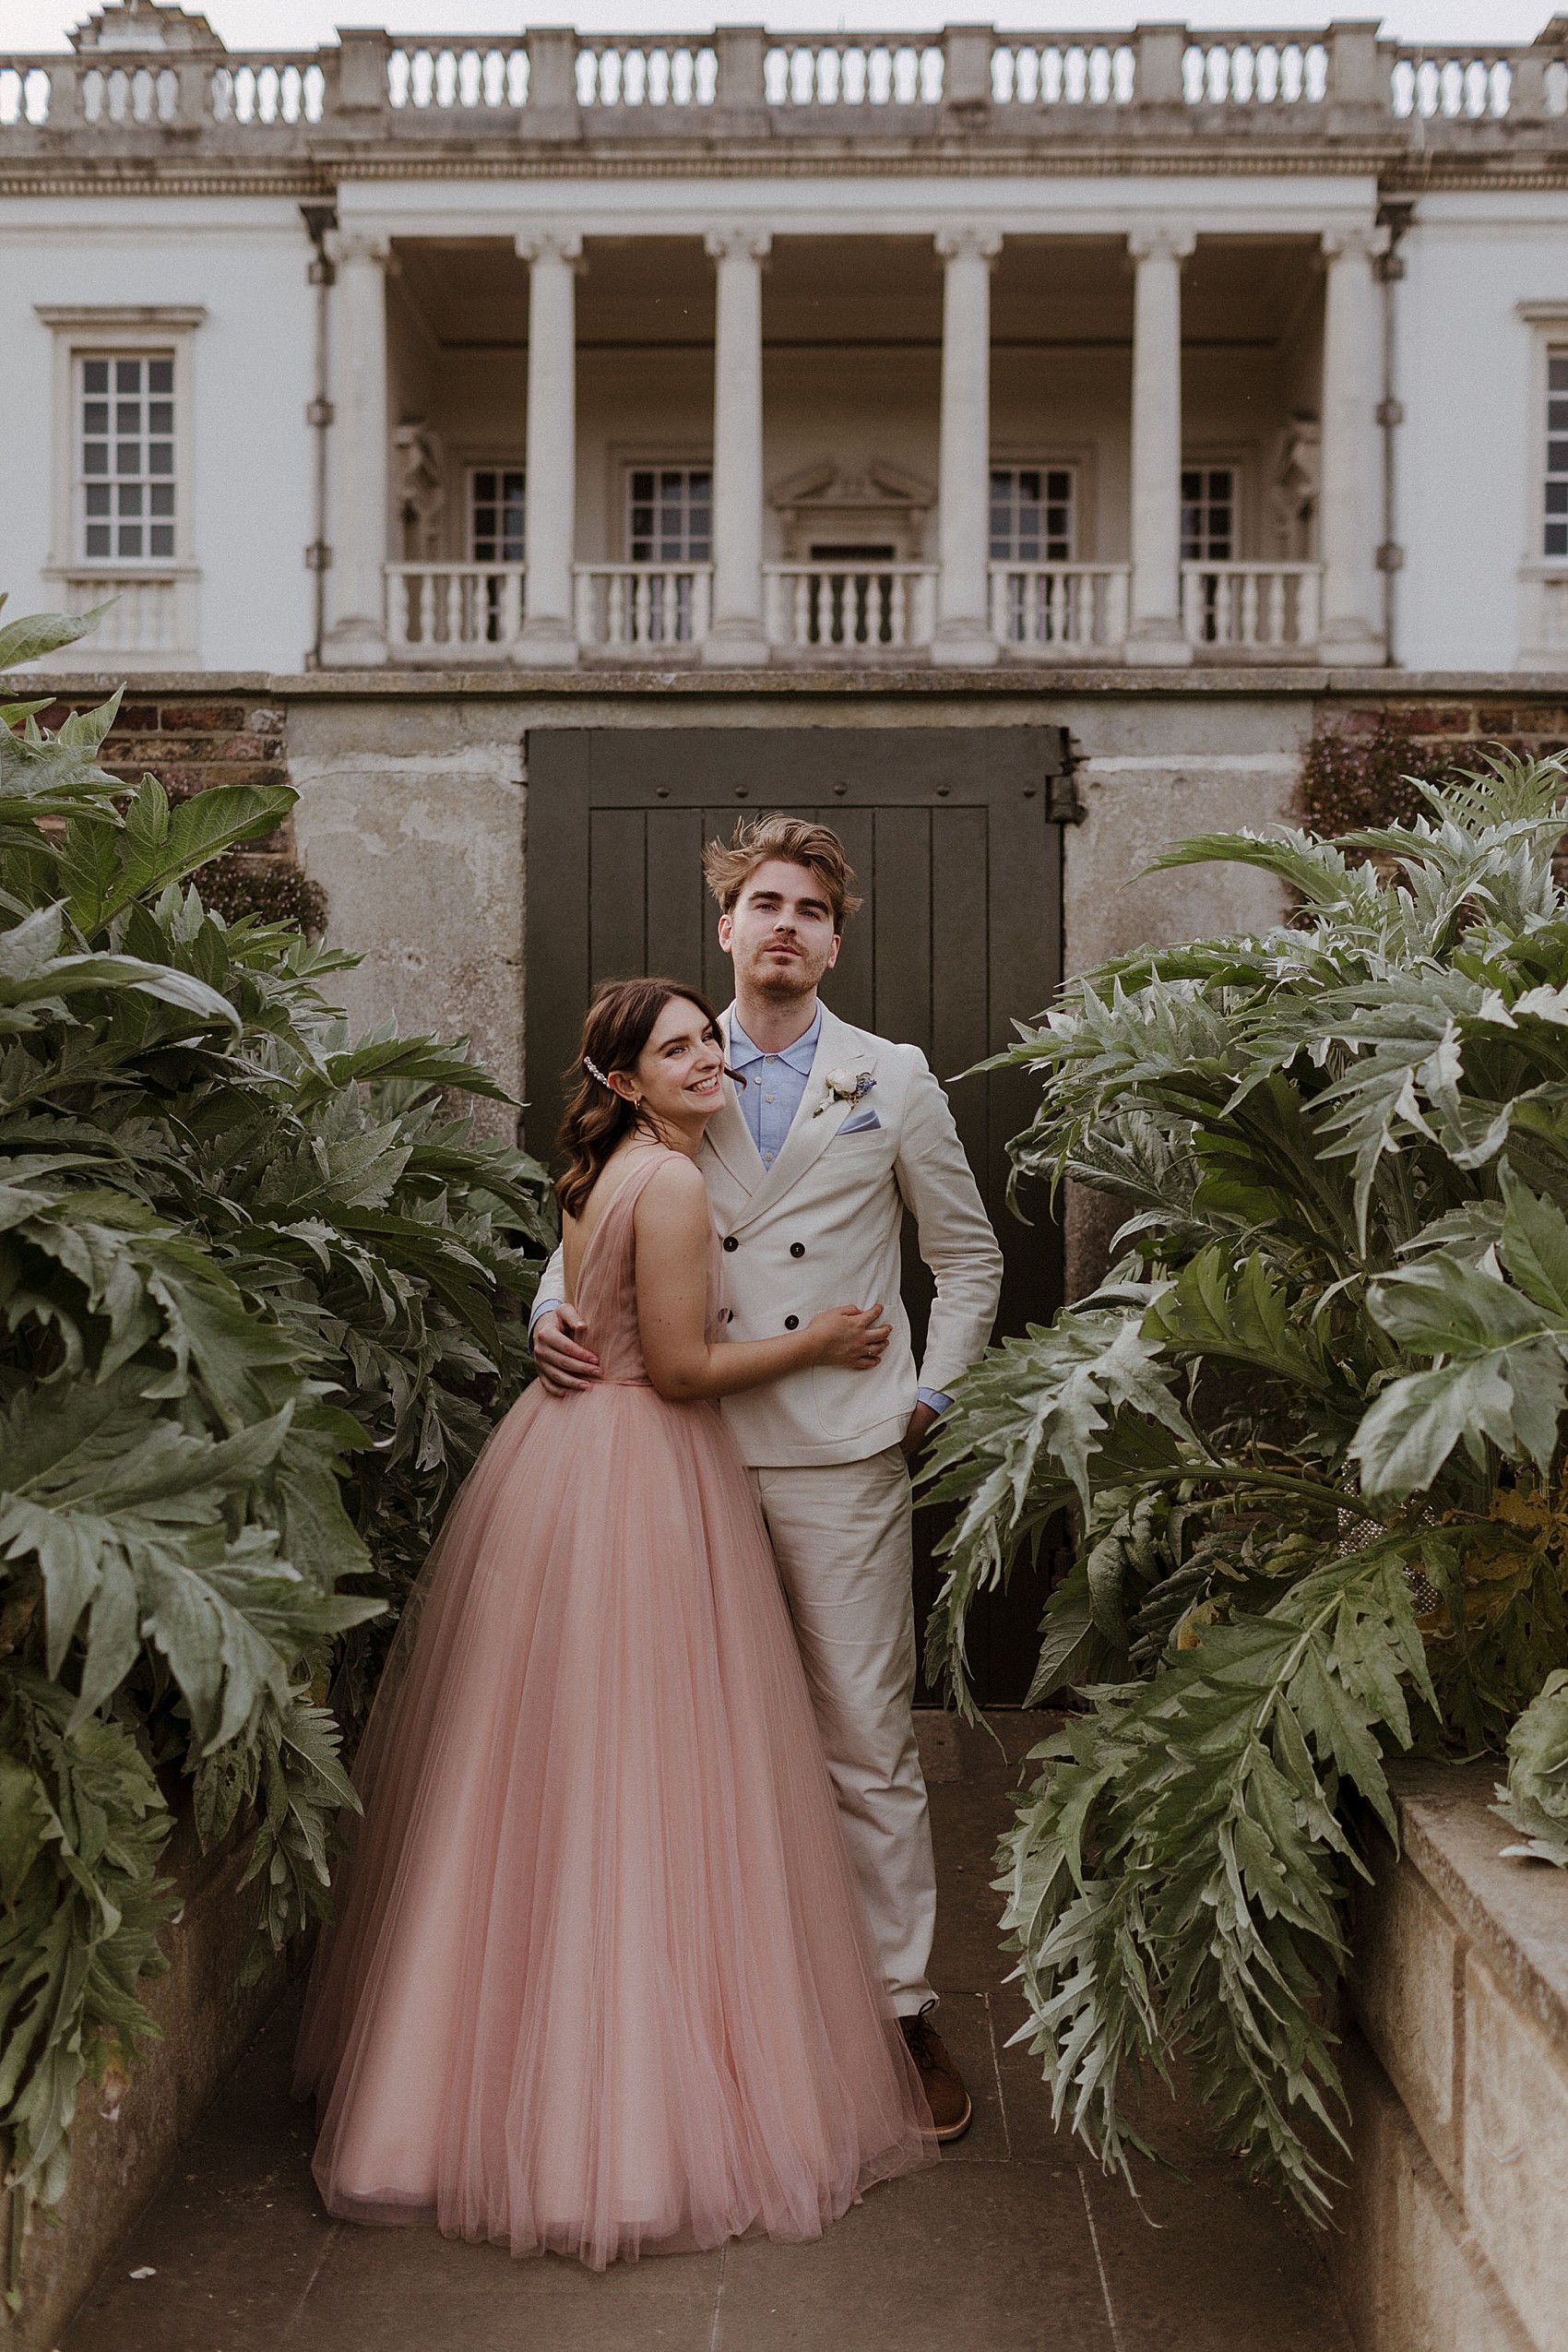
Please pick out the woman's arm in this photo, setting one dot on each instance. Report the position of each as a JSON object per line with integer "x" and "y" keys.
{"x": 672, "y": 1225}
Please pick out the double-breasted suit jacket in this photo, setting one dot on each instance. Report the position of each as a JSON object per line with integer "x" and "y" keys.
{"x": 822, "y": 1228}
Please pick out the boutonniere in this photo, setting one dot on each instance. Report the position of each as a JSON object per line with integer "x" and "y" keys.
{"x": 847, "y": 1086}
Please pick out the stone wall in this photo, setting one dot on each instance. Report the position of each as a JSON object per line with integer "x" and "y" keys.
{"x": 192, "y": 741}
{"x": 121, "y": 2145}
{"x": 412, "y": 817}
{"x": 1450, "y": 2234}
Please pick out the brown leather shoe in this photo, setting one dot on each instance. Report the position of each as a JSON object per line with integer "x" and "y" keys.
{"x": 952, "y": 2110}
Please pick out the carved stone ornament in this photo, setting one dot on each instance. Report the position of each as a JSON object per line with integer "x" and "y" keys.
{"x": 145, "y": 26}
{"x": 881, "y": 504}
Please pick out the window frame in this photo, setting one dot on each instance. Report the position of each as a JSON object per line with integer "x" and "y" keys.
{"x": 1212, "y": 462}
{"x": 513, "y": 464}
{"x": 683, "y": 461}
{"x": 1004, "y": 462}
{"x": 138, "y": 331}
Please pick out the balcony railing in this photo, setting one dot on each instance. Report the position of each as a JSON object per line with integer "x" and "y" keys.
{"x": 463, "y": 613}
{"x": 829, "y": 607}
{"x": 1060, "y": 608}
{"x": 554, "y": 84}
{"x": 642, "y": 608}
{"x": 1252, "y": 608}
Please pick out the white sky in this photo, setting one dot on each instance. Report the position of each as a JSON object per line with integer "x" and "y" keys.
{"x": 288, "y": 24}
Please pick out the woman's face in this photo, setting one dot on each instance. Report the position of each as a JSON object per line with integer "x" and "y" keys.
{"x": 678, "y": 1069}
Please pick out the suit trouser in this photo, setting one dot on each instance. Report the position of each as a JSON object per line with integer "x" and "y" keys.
{"x": 842, "y": 1536}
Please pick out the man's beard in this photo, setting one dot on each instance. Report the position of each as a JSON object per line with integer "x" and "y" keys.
{"x": 785, "y": 986}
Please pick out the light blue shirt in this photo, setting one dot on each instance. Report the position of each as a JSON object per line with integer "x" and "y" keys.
{"x": 775, "y": 1084}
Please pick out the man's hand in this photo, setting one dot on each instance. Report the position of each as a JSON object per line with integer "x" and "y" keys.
{"x": 922, "y": 1418}
{"x": 564, "y": 1363}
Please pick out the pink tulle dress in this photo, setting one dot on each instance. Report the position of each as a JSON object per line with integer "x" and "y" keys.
{"x": 600, "y": 1982}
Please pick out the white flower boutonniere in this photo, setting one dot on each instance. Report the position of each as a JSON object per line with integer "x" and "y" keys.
{"x": 847, "y": 1086}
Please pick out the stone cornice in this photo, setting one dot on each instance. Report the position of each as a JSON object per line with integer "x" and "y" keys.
{"x": 1047, "y": 683}
{"x": 322, "y": 169}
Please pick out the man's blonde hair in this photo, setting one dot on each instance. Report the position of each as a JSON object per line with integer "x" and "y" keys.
{"x": 794, "y": 838}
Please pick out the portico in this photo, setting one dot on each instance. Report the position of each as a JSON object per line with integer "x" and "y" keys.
{"x": 1074, "y": 431}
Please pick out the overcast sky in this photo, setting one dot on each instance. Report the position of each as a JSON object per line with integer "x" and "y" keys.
{"x": 287, "y": 24}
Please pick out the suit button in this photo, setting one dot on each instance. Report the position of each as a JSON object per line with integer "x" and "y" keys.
{"x": 791, "y": 1322}
{"x": 731, "y": 1243}
{"x": 797, "y": 1249}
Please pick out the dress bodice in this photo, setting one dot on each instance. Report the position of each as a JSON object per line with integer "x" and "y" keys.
{"x": 607, "y": 1285}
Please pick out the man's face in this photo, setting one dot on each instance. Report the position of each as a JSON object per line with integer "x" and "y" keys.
{"x": 779, "y": 931}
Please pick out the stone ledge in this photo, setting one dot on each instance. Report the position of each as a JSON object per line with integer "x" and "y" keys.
{"x": 958, "y": 686}
{"x": 1449, "y": 2237}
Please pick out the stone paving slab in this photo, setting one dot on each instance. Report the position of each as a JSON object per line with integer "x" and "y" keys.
{"x": 1015, "y": 2244}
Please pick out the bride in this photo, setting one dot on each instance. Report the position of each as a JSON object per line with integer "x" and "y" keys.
{"x": 601, "y": 1981}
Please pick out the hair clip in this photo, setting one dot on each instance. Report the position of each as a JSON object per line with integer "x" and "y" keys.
{"x": 592, "y": 1066}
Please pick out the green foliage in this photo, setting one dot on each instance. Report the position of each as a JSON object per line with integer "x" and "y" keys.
{"x": 261, "y": 1294}
{"x": 1312, "y": 1430}
{"x": 1535, "y": 1798}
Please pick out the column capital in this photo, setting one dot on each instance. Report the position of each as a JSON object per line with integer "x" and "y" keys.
{"x": 737, "y": 244}
{"x": 548, "y": 244}
{"x": 362, "y": 244}
{"x": 973, "y": 244}
{"x": 1355, "y": 244}
{"x": 1165, "y": 243}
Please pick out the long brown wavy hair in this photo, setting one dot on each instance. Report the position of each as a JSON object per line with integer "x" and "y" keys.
{"x": 620, "y": 1022}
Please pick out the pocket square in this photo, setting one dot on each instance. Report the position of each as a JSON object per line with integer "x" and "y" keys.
{"x": 862, "y": 1122}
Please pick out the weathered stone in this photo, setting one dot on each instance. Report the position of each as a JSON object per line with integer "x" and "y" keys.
{"x": 1408, "y": 1966}
{"x": 420, "y": 848}
{"x": 1408, "y": 2272}
{"x": 119, "y": 2150}
{"x": 1516, "y": 2154}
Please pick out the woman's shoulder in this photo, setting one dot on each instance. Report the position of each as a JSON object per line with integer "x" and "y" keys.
{"x": 674, "y": 1181}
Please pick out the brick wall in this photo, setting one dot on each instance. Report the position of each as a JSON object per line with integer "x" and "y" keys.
{"x": 192, "y": 743}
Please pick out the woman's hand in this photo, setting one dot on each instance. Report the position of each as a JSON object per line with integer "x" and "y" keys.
{"x": 850, "y": 1337}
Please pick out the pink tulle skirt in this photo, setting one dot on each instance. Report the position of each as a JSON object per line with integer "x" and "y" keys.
{"x": 601, "y": 1981}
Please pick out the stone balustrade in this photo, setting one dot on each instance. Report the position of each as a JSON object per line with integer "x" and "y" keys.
{"x": 1155, "y": 80}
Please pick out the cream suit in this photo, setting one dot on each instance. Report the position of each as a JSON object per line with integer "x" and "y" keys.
{"x": 822, "y": 1228}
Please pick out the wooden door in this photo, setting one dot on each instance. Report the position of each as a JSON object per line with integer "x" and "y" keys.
{"x": 953, "y": 838}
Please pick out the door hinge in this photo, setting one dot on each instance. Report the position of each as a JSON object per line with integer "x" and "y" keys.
{"x": 1390, "y": 556}
{"x": 1390, "y": 411}
{"x": 319, "y": 412}
{"x": 1063, "y": 801}
{"x": 318, "y": 556}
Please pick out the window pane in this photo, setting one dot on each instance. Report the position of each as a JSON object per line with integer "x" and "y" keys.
{"x": 1557, "y": 372}
{"x": 1557, "y": 539}
{"x": 1032, "y": 514}
{"x": 115, "y": 474}
{"x": 495, "y": 515}
{"x": 669, "y": 513}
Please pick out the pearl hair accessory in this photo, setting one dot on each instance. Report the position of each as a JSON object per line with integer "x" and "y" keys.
{"x": 594, "y": 1071}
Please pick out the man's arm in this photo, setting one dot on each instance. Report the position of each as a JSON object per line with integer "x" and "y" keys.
{"x": 955, "y": 1239}
{"x": 555, "y": 1333}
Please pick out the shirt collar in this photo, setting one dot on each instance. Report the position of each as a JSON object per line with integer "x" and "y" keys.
{"x": 798, "y": 1056}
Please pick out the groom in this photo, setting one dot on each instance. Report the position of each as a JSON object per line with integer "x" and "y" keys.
{"x": 810, "y": 1167}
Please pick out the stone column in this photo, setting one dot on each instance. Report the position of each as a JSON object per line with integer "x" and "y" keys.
{"x": 963, "y": 637}
{"x": 359, "y": 458}
{"x": 1350, "y": 503}
{"x": 550, "y": 490}
{"x": 1154, "y": 628}
{"x": 737, "y": 634}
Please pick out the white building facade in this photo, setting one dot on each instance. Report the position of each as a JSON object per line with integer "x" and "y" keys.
{"x": 967, "y": 351}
